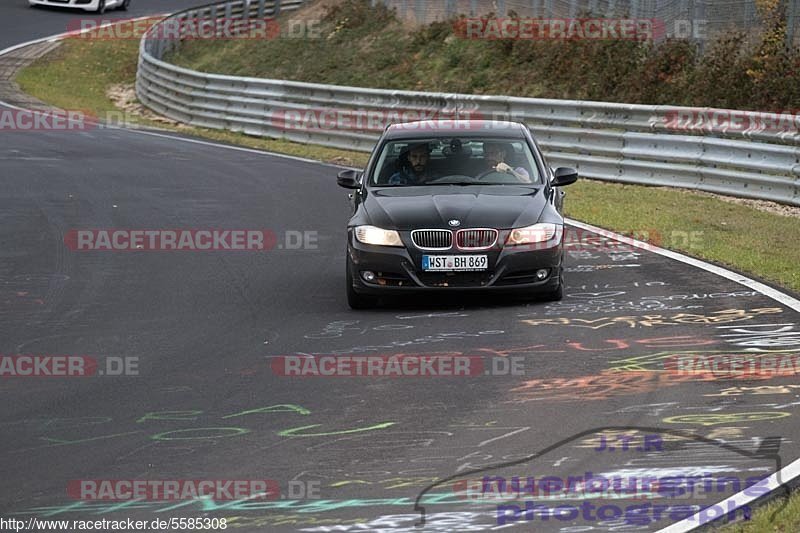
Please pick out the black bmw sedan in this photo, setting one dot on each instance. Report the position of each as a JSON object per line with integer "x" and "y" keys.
{"x": 455, "y": 205}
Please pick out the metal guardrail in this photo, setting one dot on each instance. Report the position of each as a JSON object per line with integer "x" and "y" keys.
{"x": 608, "y": 141}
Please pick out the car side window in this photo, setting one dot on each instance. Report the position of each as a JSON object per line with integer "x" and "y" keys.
{"x": 387, "y": 163}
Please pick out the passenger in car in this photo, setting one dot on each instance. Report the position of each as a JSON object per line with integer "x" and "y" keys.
{"x": 495, "y": 155}
{"x": 414, "y": 169}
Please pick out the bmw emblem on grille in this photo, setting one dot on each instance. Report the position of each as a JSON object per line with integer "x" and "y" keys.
{"x": 454, "y": 223}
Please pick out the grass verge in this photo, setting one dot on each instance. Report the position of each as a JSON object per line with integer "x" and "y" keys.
{"x": 80, "y": 73}
{"x": 786, "y": 521}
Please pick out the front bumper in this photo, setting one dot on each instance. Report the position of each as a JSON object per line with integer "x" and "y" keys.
{"x": 86, "y": 5}
{"x": 399, "y": 269}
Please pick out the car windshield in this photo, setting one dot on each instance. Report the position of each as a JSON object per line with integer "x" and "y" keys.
{"x": 455, "y": 161}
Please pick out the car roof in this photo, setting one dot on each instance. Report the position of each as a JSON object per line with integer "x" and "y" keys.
{"x": 451, "y": 127}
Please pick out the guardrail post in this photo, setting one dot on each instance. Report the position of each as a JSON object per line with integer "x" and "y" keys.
{"x": 276, "y": 8}
{"x": 260, "y": 13}
{"x": 791, "y": 22}
{"x": 228, "y": 16}
{"x": 212, "y": 16}
{"x": 699, "y": 14}
{"x": 193, "y": 16}
{"x": 750, "y": 19}
{"x": 473, "y": 8}
{"x": 419, "y": 11}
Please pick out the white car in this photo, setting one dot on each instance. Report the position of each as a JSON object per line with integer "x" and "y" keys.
{"x": 98, "y": 6}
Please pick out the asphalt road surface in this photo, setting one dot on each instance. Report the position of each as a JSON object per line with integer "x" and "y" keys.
{"x": 203, "y": 334}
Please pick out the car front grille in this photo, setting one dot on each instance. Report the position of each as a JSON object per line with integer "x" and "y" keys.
{"x": 432, "y": 239}
{"x": 476, "y": 239}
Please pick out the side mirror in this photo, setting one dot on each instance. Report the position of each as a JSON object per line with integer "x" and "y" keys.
{"x": 349, "y": 179}
{"x": 564, "y": 176}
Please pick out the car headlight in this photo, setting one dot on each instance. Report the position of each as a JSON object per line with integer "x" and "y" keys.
{"x": 541, "y": 232}
{"x": 378, "y": 236}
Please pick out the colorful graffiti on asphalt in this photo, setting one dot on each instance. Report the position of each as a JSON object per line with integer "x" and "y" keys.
{"x": 716, "y": 317}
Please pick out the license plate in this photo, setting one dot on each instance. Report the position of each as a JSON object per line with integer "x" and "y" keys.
{"x": 454, "y": 262}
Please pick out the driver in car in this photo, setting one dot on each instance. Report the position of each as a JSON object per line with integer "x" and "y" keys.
{"x": 413, "y": 166}
{"x": 494, "y": 155}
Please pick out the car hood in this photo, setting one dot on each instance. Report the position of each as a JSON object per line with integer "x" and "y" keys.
{"x": 484, "y": 206}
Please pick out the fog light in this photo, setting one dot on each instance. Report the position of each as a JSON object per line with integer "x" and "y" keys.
{"x": 368, "y": 275}
{"x": 541, "y": 274}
